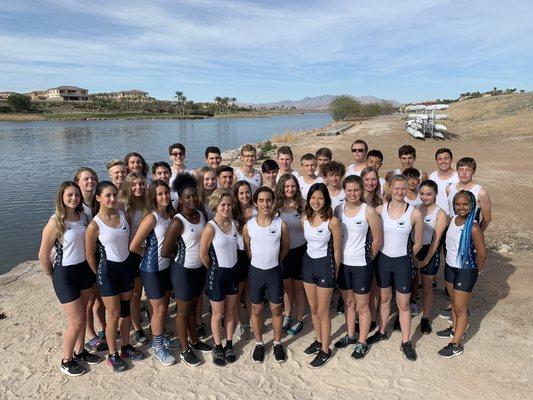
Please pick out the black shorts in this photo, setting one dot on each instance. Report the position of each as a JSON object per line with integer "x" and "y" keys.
{"x": 319, "y": 271}
{"x": 463, "y": 279}
{"x": 187, "y": 283}
{"x": 113, "y": 278}
{"x": 221, "y": 282}
{"x": 243, "y": 266}
{"x": 70, "y": 280}
{"x": 156, "y": 283}
{"x": 356, "y": 278}
{"x": 292, "y": 263}
{"x": 136, "y": 261}
{"x": 266, "y": 280}
{"x": 397, "y": 271}
{"x": 433, "y": 266}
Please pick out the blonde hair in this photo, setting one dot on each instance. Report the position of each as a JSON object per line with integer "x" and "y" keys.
{"x": 216, "y": 197}
{"x": 392, "y": 181}
{"x": 126, "y": 194}
{"x": 60, "y": 214}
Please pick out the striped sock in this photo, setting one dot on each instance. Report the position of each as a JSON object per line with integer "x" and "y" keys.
{"x": 158, "y": 342}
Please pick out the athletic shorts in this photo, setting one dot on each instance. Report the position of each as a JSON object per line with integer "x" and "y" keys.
{"x": 188, "y": 283}
{"x": 156, "y": 283}
{"x": 319, "y": 271}
{"x": 433, "y": 266}
{"x": 394, "y": 271}
{"x": 292, "y": 263}
{"x": 463, "y": 279}
{"x": 356, "y": 278}
{"x": 266, "y": 280}
{"x": 113, "y": 278}
{"x": 70, "y": 280}
{"x": 221, "y": 282}
{"x": 136, "y": 261}
{"x": 243, "y": 265}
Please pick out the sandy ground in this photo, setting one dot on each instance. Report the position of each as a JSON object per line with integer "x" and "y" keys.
{"x": 498, "y": 357}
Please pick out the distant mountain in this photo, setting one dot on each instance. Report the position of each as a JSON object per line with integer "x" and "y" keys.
{"x": 316, "y": 103}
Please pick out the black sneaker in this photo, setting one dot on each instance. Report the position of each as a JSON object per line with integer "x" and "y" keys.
{"x": 321, "y": 359}
{"x": 340, "y": 306}
{"x": 397, "y": 326}
{"x": 451, "y": 350}
{"x": 259, "y": 354}
{"x": 345, "y": 342}
{"x": 96, "y": 344}
{"x": 202, "y": 347}
{"x": 72, "y": 368}
{"x": 140, "y": 337}
{"x": 279, "y": 353}
{"x": 313, "y": 348}
{"x": 287, "y": 323}
{"x": 446, "y": 333}
{"x": 373, "y": 325}
{"x": 230, "y": 353}
{"x": 88, "y": 357}
{"x": 189, "y": 357}
{"x": 408, "y": 351}
{"x": 115, "y": 361}
{"x": 201, "y": 331}
{"x": 425, "y": 325}
{"x": 360, "y": 350}
{"x": 377, "y": 337}
{"x": 219, "y": 357}
{"x": 434, "y": 284}
{"x": 446, "y": 312}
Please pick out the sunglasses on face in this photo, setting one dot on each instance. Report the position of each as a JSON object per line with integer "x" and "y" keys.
{"x": 358, "y": 150}
{"x": 177, "y": 153}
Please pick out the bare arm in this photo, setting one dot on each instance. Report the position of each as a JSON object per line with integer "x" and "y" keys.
{"x": 246, "y": 240}
{"x": 486, "y": 208}
{"x": 145, "y": 227}
{"x": 47, "y": 244}
{"x": 205, "y": 241}
{"x": 440, "y": 227}
{"x": 91, "y": 235}
{"x": 479, "y": 244}
{"x": 174, "y": 230}
{"x": 374, "y": 222}
{"x": 418, "y": 222}
{"x": 285, "y": 242}
{"x": 336, "y": 232}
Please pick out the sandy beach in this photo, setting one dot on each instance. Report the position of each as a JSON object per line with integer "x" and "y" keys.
{"x": 498, "y": 358}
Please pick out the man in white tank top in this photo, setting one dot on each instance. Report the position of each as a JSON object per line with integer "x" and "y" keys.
{"x": 285, "y": 158}
{"x": 359, "y": 149}
{"x": 407, "y": 156}
{"x": 308, "y": 177}
{"x": 247, "y": 172}
{"x": 444, "y": 176}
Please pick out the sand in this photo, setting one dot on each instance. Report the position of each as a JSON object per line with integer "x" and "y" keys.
{"x": 497, "y": 362}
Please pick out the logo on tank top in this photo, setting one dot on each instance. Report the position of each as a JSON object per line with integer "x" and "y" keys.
{"x": 400, "y": 224}
{"x": 234, "y": 236}
{"x": 358, "y": 223}
{"x": 272, "y": 232}
{"x": 320, "y": 231}
{"x": 296, "y": 215}
{"x": 428, "y": 220}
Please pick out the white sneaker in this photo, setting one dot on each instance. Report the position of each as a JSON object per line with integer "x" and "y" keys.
{"x": 414, "y": 310}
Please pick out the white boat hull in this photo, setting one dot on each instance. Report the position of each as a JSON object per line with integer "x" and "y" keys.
{"x": 440, "y": 127}
{"x": 414, "y": 133}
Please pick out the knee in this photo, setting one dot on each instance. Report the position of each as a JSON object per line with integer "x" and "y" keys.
{"x": 403, "y": 307}
{"x": 77, "y": 322}
{"x": 349, "y": 302}
{"x": 276, "y": 311}
{"x": 113, "y": 313}
{"x": 313, "y": 309}
{"x": 184, "y": 312}
{"x": 257, "y": 310}
{"x": 385, "y": 299}
{"x": 362, "y": 308}
{"x": 323, "y": 312}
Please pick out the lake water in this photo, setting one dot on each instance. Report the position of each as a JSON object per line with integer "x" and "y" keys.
{"x": 37, "y": 156}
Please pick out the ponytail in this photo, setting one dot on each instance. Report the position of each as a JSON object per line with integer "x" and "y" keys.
{"x": 465, "y": 254}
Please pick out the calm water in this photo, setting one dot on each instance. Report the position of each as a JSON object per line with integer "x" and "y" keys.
{"x": 37, "y": 156}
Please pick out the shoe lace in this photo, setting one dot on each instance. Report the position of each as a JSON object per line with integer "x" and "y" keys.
{"x": 358, "y": 347}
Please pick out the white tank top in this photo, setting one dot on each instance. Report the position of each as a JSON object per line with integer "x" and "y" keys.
{"x": 442, "y": 199}
{"x": 350, "y": 170}
{"x": 223, "y": 250}
{"x": 453, "y": 237}
{"x": 265, "y": 243}
{"x": 354, "y": 231}
{"x": 304, "y": 186}
{"x": 415, "y": 202}
{"x": 293, "y": 220}
{"x": 430, "y": 221}
{"x": 189, "y": 242}
{"x": 317, "y": 239}
{"x": 255, "y": 181}
{"x": 152, "y": 260}
{"x": 453, "y": 190}
{"x": 71, "y": 249}
{"x": 295, "y": 173}
{"x": 337, "y": 200}
{"x": 396, "y": 232}
{"x": 114, "y": 240}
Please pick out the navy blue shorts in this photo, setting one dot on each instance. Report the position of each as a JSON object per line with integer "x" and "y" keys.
{"x": 463, "y": 279}
{"x": 243, "y": 266}
{"x": 292, "y": 263}
{"x": 70, "y": 280}
{"x": 113, "y": 278}
{"x": 156, "y": 283}
{"x": 221, "y": 282}
{"x": 356, "y": 278}
{"x": 266, "y": 281}
{"x": 433, "y": 266}
{"x": 136, "y": 261}
{"x": 397, "y": 271}
{"x": 187, "y": 283}
{"x": 319, "y": 271}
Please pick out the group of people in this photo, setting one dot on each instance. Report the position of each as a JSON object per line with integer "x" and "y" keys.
{"x": 247, "y": 238}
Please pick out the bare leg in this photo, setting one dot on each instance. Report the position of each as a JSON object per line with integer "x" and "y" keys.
{"x": 460, "y": 308}
{"x": 402, "y": 301}
{"x": 277, "y": 321}
{"x": 229, "y": 318}
{"x": 427, "y": 287}
{"x": 217, "y": 313}
{"x": 85, "y": 296}
{"x": 125, "y": 323}
{"x": 299, "y": 298}
{"x": 385, "y": 297}
{"x": 287, "y": 297}
{"x": 112, "y": 306}
{"x": 363, "y": 309}
{"x": 310, "y": 291}
{"x": 135, "y": 304}
{"x": 182, "y": 321}
{"x": 257, "y": 321}
{"x": 323, "y": 296}
{"x": 349, "y": 311}
{"x": 75, "y": 323}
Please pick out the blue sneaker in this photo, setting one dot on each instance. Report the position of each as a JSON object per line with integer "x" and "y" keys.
{"x": 171, "y": 343}
{"x": 296, "y": 328}
{"x": 164, "y": 357}
{"x": 131, "y": 352}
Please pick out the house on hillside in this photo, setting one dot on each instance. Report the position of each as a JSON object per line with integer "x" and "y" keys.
{"x": 5, "y": 95}
{"x": 37, "y": 95}
{"x": 132, "y": 95}
{"x": 67, "y": 93}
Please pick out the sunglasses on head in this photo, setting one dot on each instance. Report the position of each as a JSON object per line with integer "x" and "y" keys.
{"x": 358, "y": 150}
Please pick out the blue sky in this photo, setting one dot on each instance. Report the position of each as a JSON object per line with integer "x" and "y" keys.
{"x": 268, "y": 50}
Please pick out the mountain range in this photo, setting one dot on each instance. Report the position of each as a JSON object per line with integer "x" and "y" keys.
{"x": 316, "y": 103}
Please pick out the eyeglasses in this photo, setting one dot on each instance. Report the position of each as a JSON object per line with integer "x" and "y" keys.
{"x": 358, "y": 150}
{"x": 177, "y": 153}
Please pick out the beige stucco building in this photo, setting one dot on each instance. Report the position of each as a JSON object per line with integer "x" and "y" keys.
{"x": 67, "y": 93}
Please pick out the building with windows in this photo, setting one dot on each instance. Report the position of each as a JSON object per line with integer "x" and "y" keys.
{"x": 67, "y": 93}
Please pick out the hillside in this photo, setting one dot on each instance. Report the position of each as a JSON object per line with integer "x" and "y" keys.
{"x": 319, "y": 102}
{"x": 505, "y": 114}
